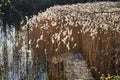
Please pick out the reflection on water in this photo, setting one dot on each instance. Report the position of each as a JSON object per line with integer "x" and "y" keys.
{"x": 17, "y": 61}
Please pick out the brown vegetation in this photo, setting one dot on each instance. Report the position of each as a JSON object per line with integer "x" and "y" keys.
{"x": 55, "y": 36}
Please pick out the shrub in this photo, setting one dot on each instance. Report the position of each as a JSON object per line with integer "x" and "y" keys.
{"x": 109, "y": 77}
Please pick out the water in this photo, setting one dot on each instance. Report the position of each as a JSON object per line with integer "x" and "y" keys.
{"x": 17, "y": 60}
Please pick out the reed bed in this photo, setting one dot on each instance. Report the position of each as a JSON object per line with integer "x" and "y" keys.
{"x": 91, "y": 28}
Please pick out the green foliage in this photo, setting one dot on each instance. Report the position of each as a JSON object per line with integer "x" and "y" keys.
{"x": 4, "y": 3}
{"x": 0, "y": 5}
{"x": 9, "y": 1}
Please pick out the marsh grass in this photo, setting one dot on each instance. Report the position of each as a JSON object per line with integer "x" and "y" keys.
{"x": 98, "y": 43}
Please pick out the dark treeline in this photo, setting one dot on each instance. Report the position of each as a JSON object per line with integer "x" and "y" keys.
{"x": 16, "y": 10}
{"x": 36, "y": 5}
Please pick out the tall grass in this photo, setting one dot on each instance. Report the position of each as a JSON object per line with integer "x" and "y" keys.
{"x": 93, "y": 34}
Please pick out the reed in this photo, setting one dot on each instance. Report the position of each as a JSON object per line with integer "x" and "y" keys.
{"x": 79, "y": 28}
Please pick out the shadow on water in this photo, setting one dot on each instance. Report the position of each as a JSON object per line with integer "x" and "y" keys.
{"x": 17, "y": 61}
